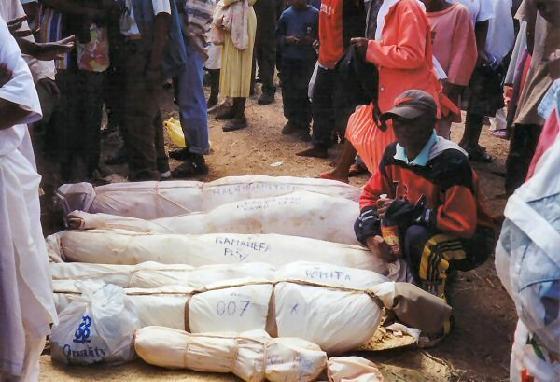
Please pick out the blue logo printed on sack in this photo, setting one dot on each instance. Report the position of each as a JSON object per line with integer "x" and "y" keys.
{"x": 82, "y": 334}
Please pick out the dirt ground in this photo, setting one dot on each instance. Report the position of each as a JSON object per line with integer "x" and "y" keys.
{"x": 479, "y": 347}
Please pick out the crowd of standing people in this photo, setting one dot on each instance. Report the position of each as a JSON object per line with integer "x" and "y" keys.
{"x": 385, "y": 79}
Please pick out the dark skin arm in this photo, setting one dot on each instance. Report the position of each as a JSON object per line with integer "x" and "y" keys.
{"x": 161, "y": 31}
{"x": 46, "y": 51}
{"x": 10, "y": 113}
{"x": 481, "y": 31}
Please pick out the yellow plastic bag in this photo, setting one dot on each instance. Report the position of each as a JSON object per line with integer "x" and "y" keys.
{"x": 175, "y": 132}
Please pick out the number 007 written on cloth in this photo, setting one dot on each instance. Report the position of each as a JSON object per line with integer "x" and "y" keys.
{"x": 232, "y": 308}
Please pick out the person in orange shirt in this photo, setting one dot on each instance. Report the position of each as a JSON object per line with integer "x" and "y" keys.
{"x": 339, "y": 21}
{"x": 402, "y": 52}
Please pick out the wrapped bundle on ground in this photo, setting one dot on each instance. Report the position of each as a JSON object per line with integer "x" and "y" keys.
{"x": 300, "y": 213}
{"x": 353, "y": 369}
{"x": 252, "y": 356}
{"x": 151, "y": 200}
{"x": 147, "y": 200}
{"x": 163, "y": 306}
{"x": 123, "y": 247}
{"x": 238, "y": 309}
{"x": 95, "y": 327}
{"x": 152, "y": 274}
{"x": 336, "y": 320}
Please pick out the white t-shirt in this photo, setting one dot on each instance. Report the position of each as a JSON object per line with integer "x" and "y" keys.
{"x": 480, "y": 10}
{"x": 128, "y": 26}
{"x": 20, "y": 89}
{"x": 500, "y": 37}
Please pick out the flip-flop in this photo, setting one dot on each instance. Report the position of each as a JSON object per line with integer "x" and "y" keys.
{"x": 502, "y": 134}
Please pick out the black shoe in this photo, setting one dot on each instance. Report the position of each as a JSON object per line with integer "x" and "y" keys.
{"x": 234, "y": 125}
{"x": 290, "y": 128}
{"x": 180, "y": 154}
{"x": 266, "y": 98}
{"x": 225, "y": 112}
{"x": 193, "y": 167}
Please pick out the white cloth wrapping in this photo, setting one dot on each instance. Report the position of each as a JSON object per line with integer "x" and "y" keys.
{"x": 300, "y": 213}
{"x": 528, "y": 265}
{"x": 26, "y": 302}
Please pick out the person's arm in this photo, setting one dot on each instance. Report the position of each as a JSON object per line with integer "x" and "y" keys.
{"x": 457, "y": 213}
{"x": 47, "y": 51}
{"x": 410, "y": 51}
{"x": 160, "y": 37}
{"x": 368, "y": 224}
{"x": 481, "y": 31}
{"x": 11, "y": 114}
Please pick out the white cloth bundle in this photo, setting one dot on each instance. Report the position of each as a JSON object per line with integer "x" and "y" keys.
{"x": 164, "y": 306}
{"x": 151, "y": 274}
{"x": 96, "y": 326}
{"x": 252, "y": 356}
{"x": 237, "y": 309}
{"x": 123, "y": 247}
{"x": 300, "y": 213}
{"x": 151, "y": 200}
{"x": 336, "y": 320}
{"x": 353, "y": 369}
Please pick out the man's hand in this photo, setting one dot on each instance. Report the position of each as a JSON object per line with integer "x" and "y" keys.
{"x": 50, "y": 86}
{"x": 15, "y": 25}
{"x": 379, "y": 248}
{"x": 54, "y": 50}
{"x": 361, "y": 43}
{"x": 5, "y": 74}
{"x": 292, "y": 40}
{"x": 382, "y": 206}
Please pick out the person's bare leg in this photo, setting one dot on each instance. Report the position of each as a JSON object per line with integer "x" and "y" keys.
{"x": 346, "y": 158}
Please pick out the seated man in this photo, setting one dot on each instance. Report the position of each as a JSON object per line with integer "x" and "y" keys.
{"x": 425, "y": 192}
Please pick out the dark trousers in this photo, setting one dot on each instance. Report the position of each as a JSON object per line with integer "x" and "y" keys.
{"x": 140, "y": 119}
{"x": 77, "y": 123}
{"x": 523, "y": 143}
{"x": 477, "y": 249}
{"x": 331, "y": 109}
{"x": 265, "y": 43}
{"x": 295, "y": 79}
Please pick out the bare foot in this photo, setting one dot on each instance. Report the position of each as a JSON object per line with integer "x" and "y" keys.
{"x": 334, "y": 176}
{"x": 314, "y": 152}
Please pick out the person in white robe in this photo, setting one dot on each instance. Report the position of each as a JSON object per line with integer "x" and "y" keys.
{"x": 26, "y": 302}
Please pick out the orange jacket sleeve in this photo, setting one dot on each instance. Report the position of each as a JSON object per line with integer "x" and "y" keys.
{"x": 458, "y": 212}
{"x": 377, "y": 185}
{"x": 409, "y": 53}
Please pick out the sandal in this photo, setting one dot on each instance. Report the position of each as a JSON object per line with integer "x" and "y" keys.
{"x": 502, "y": 134}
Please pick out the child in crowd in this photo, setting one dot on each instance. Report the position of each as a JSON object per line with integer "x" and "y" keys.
{"x": 296, "y": 33}
{"x": 423, "y": 204}
{"x": 454, "y": 46}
